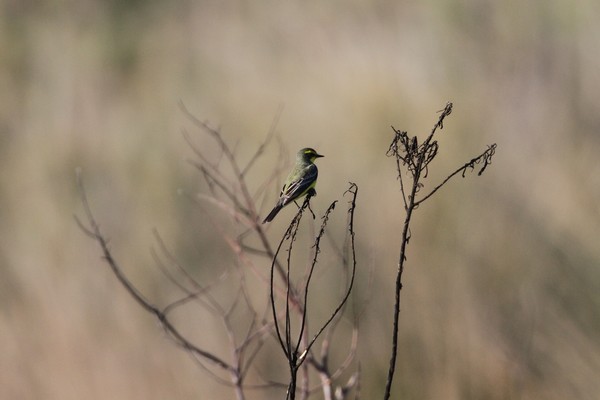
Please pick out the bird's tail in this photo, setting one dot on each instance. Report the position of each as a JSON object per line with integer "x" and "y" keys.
{"x": 273, "y": 213}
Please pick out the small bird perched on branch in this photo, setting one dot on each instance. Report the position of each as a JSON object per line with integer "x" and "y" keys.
{"x": 299, "y": 182}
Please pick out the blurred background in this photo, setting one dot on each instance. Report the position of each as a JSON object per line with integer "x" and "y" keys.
{"x": 501, "y": 295}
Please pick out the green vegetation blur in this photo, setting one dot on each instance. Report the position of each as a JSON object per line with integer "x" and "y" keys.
{"x": 501, "y": 295}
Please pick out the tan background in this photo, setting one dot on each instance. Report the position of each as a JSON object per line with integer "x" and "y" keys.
{"x": 502, "y": 286}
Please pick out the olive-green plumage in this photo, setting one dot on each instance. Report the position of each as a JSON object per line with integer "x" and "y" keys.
{"x": 301, "y": 179}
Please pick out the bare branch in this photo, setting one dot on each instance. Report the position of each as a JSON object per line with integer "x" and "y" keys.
{"x": 229, "y": 192}
{"x": 485, "y": 158}
{"x": 179, "y": 339}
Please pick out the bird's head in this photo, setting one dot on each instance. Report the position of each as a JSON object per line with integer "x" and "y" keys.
{"x": 308, "y": 155}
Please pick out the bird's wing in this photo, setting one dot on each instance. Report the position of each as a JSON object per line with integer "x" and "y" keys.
{"x": 299, "y": 187}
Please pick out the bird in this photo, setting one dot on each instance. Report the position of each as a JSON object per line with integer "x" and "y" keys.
{"x": 299, "y": 182}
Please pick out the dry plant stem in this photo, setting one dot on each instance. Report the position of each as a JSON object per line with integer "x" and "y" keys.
{"x": 415, "y": 159}
{"x": 242, "y": 211}
{"x": 229, "y": 192}
{"x": 288, "y": 235}
{"x": 289, "y": 345}
{"x": 321, "y": 362}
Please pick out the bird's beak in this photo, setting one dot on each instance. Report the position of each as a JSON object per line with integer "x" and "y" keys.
{"x": 318, "y": 155}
